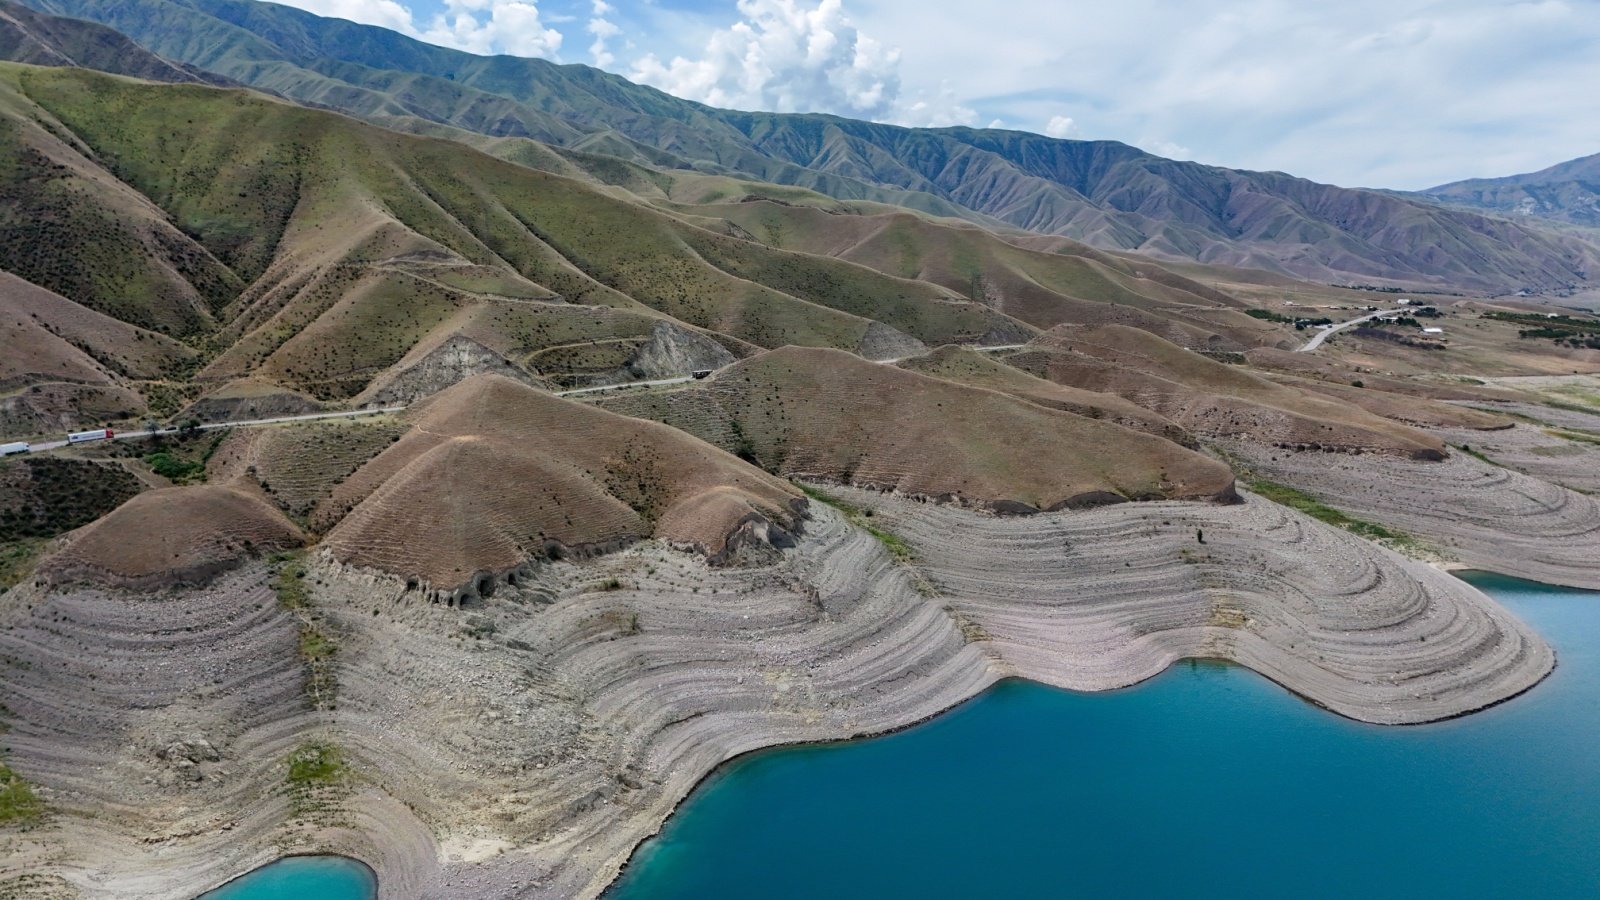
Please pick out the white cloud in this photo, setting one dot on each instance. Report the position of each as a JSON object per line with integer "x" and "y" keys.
{"x": 493, "y": 26}
{"x": 1393, "y": 93}
{"x": 476, "y": 26}
{"x": 787, "y": 56}
{"x": 383, "y": 13}
{"x": 603, "y": 30}
{"x": 1059, "y": 126}
{"x": 1166, "y": 148}
{"x": 940, "y": 110}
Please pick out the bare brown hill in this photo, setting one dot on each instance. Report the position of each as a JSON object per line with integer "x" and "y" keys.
{"x": 1319, "y": 366}
{"x": 297, "y": 466}
{"x": 981, "y": 370}
{"x": 829, "y": 416}
{"x": 1213, "y": 399}
{"x": 494, "y": 474}
{"x": 1410, "y": 410}
{"x": 119, "y": 348}
{"x": 65, "y": 365}
{"x": 172, "y": 535}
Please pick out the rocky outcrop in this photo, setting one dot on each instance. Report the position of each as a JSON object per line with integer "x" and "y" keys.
{"x": 673, "y": 351}
{"x": 247, "y": 398}
{"x": 883, "y": 342}
{"x": 427, "y": 373}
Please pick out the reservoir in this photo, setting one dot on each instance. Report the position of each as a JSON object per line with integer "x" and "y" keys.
{"x": 1205, "y": 782}
{"x": 302, "y": 878}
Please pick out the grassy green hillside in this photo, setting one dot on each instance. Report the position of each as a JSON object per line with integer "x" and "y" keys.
{"x": 1105, "y": 193}
{"x": 316, "y": 252}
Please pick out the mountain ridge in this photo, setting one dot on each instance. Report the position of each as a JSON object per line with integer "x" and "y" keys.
{"x": 1567, "y": 193}
{"x": 1104, "y": 193}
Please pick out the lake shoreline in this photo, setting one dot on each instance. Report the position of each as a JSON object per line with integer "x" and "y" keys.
{"x": 709, "y": 789}
{"x": 835, "y": 640}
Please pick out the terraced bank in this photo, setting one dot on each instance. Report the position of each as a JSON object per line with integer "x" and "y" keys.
{"x": 1475, "y": 513}
{"x": 523, "y": 745}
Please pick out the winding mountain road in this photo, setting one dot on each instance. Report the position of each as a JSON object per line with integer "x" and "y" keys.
{"x": 353, "y": 413}
{"x": 1329, "y": 331}
{"x": 277, "y": 420}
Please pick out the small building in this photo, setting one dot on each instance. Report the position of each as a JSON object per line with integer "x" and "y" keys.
{"x": 1433, "y": 331}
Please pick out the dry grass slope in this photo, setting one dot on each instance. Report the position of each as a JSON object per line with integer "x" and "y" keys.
{"x": 828, "y": 416}
{"x": 494, "y": 475}
{"x": 1212, "y": 399}
{"x": 172, "y": 535}
{"x": 979, "y": 370}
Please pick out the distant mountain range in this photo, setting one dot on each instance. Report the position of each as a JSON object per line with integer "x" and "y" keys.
{"x": 1568, "y": 192}
{"x": 29, "y": 36}
{"x": 1107, "y": 194}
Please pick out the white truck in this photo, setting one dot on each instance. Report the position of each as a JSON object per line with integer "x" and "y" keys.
{"x": 14, "y": 447}
{"x": 82, "y": 437}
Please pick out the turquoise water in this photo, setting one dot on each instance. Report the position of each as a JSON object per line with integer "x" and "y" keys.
{"x": 1208, "y": 781}
{"x": 303, "y": 878}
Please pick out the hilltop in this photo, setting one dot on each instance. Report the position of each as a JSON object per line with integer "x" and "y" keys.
{"x": 826, "y": 416}
{"x": 494, "y": 475}
{"x": 1567, "y": 193}
{"x": 333, "y": 257}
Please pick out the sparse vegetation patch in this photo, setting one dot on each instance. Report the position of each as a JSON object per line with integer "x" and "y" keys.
{"x": 317, "y": 647}
{"x": 316, "y": 764}
{"x": 318, "y": 776}
{"x": 18, "y": 803}
{"x": 44, "y": 496}
{"x": 1301, "y": 501}
{"x": 861, "y": 518}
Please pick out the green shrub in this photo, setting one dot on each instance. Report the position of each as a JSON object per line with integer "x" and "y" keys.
{"x": 18, "y": 803}
{"x": 171, "y": 467}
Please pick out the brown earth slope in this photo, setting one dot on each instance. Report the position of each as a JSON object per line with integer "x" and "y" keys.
{"x": 172, "y": 535}
{"x": 66, "y": 366}
{"x": 1213, "y": 399}
{"x": 830, "y": 416}
{"x": 495, "y": 474}
{"x": 47, "y": 336}
{"x": 981, "y": 370}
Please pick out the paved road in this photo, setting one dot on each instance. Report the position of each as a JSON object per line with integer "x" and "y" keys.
{"x": 350, "y": 414}
{"x": 626, "y": 384}
{"x": 1329, "y": 331}
{"x": 278, "y": 420}
{"x": 991, "y": 348}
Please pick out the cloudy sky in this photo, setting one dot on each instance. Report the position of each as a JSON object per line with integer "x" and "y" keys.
{"x": 1382, "y": 93}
